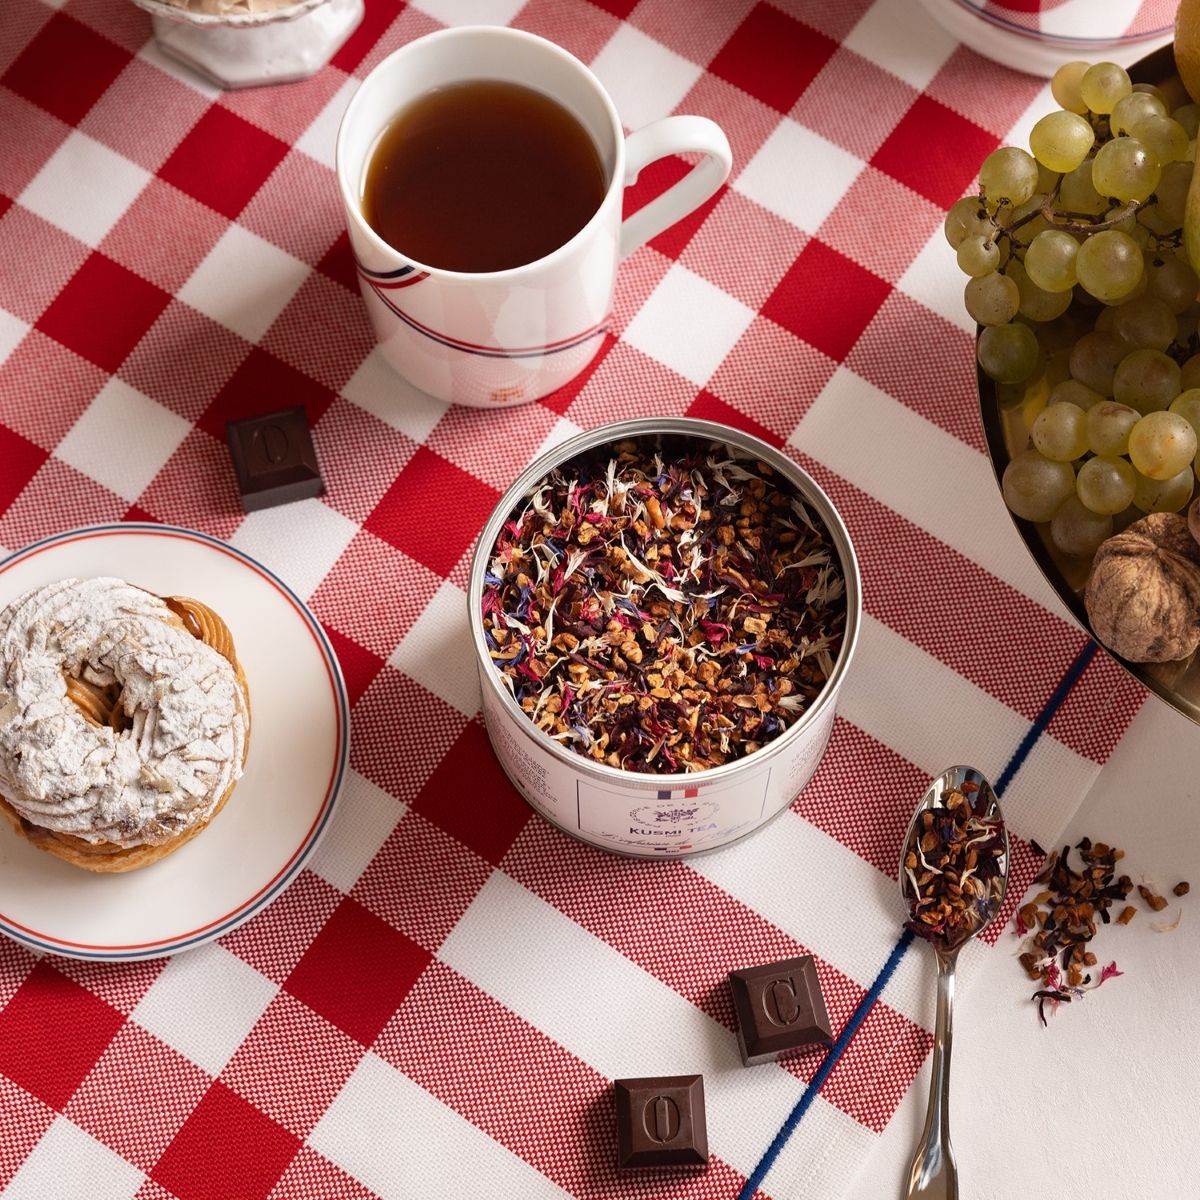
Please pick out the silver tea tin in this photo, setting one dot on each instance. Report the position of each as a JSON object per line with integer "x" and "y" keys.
{"x": 636, "y": 813}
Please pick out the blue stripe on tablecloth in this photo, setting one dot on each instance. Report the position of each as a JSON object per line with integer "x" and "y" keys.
{"x": 1014, "y": 764}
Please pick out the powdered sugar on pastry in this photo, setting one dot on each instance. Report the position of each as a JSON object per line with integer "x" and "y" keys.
{"x": 186, "y": 713}
{"x": 231, "y": 7}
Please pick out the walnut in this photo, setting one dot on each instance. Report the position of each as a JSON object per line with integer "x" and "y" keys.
{"x": 1143, "y": 597}
{"x": 1194, "y": 519}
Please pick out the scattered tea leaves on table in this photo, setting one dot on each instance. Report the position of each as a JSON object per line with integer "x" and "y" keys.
{"x": 1060, "y": 921}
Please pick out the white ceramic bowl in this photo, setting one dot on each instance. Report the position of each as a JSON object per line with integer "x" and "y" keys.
{"x": 1040, "y": 42}
{"x": 236, "y": 50}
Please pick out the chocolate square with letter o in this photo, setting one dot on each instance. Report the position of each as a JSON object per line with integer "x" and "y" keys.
{"x": 660, "y": 1122}
{"x": 780, "y": 1010}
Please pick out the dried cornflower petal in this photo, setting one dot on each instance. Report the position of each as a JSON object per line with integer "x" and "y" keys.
{"x": 954, "y": 867}
{"x": 662, "y": 604}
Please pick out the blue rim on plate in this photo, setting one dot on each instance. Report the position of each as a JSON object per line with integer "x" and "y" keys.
{"x": 257, "y": 902}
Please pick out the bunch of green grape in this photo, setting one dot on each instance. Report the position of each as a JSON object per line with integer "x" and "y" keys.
{"x": 1088, "y": 303}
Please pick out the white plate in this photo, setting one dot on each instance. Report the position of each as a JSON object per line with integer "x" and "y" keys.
{"x": 299, "y": 741}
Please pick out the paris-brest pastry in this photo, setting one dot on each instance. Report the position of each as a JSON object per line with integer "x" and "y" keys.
{"x": 124, "y": 721}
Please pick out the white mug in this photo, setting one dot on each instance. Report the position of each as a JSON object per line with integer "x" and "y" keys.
{"x": 500, "y": 338}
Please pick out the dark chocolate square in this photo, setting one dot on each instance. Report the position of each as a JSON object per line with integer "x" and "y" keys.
{"x": 660, "y": 1122}
{"x": 780, "y": 1010}
{"x": 274, "y": 459}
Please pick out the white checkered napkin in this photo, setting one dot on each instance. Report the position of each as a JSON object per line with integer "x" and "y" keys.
{"x": 448, "y": 990}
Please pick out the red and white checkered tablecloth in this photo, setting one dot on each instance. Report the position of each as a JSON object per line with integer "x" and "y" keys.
{"x": 438, "y": 1005}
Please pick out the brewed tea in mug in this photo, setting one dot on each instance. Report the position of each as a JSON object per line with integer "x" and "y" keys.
{"x": 482, "y": 175}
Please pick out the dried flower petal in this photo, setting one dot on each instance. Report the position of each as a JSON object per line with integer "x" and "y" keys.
{"x": 1167, "y": 926}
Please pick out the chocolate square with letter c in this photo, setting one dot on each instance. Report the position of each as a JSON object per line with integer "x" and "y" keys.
{"x": 780, "y": 1010}
{"x": 660, "y": 1122}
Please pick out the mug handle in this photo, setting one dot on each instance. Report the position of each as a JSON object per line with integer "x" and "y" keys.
{"x": 673, "y": 135}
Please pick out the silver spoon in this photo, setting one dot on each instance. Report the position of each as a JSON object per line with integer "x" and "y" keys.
{"x": 934, "y": 1175}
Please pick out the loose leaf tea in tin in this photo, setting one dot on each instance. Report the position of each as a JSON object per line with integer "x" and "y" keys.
{"x": 664, "y": 604}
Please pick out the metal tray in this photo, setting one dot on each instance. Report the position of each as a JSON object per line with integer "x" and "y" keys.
{"x": 1007, "y": 434}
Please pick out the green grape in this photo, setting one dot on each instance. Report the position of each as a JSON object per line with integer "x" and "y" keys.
{"x": 1056, "y": 339}
{"x": 967, "y": 218}
{"x": 1103, "y": 85}
{"x": 1172, "y": 191}
{"x": 1030, "y": 230}
{"x": 1109, "y": 265}
{"x": 1145, "y": 323}
{"x": 1163, "y": 495}
{"x": 1189, "y": 375}
{"x": 1058, "y": 368}
{"x": 1008, "y": 353}
{"x": 1078, "y": 531}
{"x": 1166, "y": 140}
{"x": 1137, "y": 106}
{"x": 1094, "y": 360}
{"x": 1105, "y": 485}
{"x": 1064, "y": 87}
{"x": 1035, "y": 303}
{"x": 1172, "y": 281}
{"x": 1138, "y": 289}
{"x": 1152, "y": 89}
{"x": 1188, "y": 115}
{"x": 1130, "y": 224}
{"x": 1108, "y": 426}
{"x": 1047, "y": 180}
{"x": 1154, "y": 222}
{"x": 1050, "y": 260}
{"x": 1071, "y": 391}
{"x": 1187, "y": 405}
{"x": 1060, "y": 432}
{"x": 1077, "y": 193}
{"x": 1034, "y": 487}
{"x": 1106, "y": 316}
{"x": 1009, "y": 174}
{"x": 1125, "y": 170}
{"x": 1146, "y": 380}
{"x": 1061, "y": 140}
{"x": 978, "y": 256}
{"x": 992, "y": 299}
{"x": 1188, "y": 322}
{"x": 1161, "y": 444}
